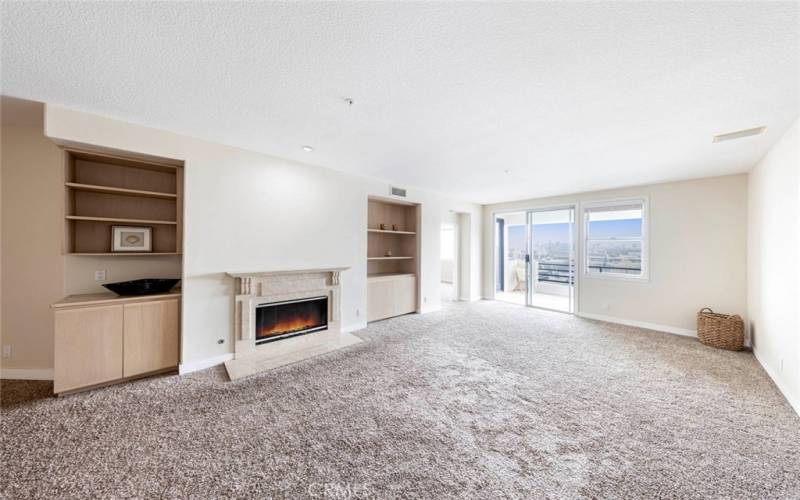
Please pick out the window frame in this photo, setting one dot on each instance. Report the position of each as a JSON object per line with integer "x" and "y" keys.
{"x": 587, "y": 208}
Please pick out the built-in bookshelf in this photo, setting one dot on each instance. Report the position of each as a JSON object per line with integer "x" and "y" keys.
{"x": 392, "y": 258}
{"x": 104, "y": 190}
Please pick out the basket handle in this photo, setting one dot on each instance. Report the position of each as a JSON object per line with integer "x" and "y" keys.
{"x": 706, "y": 309}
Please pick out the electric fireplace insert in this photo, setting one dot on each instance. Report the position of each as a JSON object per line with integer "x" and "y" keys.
{"x": 280, "y": 320}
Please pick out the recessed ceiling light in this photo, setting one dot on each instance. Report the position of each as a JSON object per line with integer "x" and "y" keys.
{"x": 739, "y": 134}
{"x": 506, "y": 171}
{"x": 308, "y": 148}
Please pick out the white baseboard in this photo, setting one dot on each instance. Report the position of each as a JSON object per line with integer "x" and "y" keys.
{"x": 202, "y": 364}
{"x": 354, "y": 327}
{"x": 26, "y": 374}
{"x": 640, "y": 324}
{"x": 793, "y": 402}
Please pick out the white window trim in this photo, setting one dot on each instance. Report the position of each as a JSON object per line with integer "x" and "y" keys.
{"x": 645, "y": 275}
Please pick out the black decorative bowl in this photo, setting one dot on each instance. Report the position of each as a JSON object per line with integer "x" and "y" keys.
{"x": 142, "y": 287}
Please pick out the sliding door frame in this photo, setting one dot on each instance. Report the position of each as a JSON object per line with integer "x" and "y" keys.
{"x": 577, "y": 250}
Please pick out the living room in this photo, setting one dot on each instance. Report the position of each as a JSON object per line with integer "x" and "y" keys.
{"x": 221, "y": 218}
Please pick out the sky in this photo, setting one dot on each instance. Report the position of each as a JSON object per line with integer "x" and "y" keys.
{"x": 559, "y": 233}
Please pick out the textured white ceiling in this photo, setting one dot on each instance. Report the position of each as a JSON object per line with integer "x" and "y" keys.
{"x": 566, "y": 97}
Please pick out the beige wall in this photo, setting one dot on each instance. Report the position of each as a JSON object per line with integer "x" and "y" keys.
{"x": 79, "y": 270}
{"x": 32, "y": 265}
{"x": 773, "y": 270}
{"x": 698, "y": 256}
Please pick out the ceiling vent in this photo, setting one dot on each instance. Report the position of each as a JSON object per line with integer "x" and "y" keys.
{"x": 739, "y": 134}
{"x": 398, "y": 192}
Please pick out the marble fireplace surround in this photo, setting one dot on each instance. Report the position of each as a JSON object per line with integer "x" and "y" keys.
{"x": 262, "y": 287}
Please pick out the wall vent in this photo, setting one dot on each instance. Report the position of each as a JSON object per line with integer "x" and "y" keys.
{"x": 738, "y": 134}
{"x": 396, "y": 191}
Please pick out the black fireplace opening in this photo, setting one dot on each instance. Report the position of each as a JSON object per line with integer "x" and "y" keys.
{"x": 280, "y": 320}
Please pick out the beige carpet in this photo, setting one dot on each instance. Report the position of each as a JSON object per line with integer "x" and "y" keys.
{"x": 482, "y": 400}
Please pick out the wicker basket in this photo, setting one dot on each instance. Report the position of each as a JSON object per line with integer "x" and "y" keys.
{"x": 720, "y": 330}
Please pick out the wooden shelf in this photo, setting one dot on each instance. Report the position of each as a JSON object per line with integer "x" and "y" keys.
{"x": 126, "y": 221}
{"x": 392, "y": 282}
{"x": 120, "y": 254}
{"x": 386, "y": 231}
{"x": 144, "y": 162}
{"x": 388, "y": 275}
{"x": 104, "y": 190}
{"x": 93, "y": 188}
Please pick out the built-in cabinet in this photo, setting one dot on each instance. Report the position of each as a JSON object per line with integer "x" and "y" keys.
{"x": 105, "y": 338}
{"x": 391, "y": 295}
{"x": 392, "y": 258}
{"x": 150, "y": 337}
{"x": 88, "y": 347}
{"x": 102, "y": 338}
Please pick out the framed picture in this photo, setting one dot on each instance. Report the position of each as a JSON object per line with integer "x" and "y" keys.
{"x": 131, "y": 239}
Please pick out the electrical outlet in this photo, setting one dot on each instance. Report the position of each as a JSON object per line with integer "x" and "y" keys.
{"x": 424, "y": 300}
{"x": 6, "y": 351}
{"x": 781, "y": 364}
{"x": 358, "y": 313}
{"x": 100, "y": 275}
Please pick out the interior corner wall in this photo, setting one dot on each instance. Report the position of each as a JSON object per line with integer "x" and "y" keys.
{"x": 698, "y": 254}
{"x": 249, "y": 211}
{"x": 773, "y": 269}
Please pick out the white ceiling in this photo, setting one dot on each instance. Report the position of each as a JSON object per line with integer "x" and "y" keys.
{"x": 566, "y": 97}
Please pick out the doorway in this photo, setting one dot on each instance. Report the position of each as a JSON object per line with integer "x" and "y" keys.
{"x": 449, "y": 261}
{"x": 535, "y": 258}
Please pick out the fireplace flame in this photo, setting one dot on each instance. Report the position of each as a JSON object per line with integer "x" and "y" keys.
{"x": 294, "y": 323}
{"x": 275, "y": 320}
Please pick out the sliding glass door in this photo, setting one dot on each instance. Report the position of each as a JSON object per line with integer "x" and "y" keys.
{"x": 535, "y": 258}
{"x": 551, "y": 236}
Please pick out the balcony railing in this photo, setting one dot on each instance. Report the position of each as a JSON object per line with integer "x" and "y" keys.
{"x": 615, "y": 269}
{"x": 555, "y": 273}
{"x": 560, "y": 273}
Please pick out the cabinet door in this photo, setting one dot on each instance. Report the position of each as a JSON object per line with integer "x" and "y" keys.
{"x": 405, "y": 295}
{"x": 380, "y": 299}
{"x": 87, "y": 347}
{"x": 151, "y": 336}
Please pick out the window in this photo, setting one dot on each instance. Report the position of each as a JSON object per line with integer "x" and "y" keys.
{"x": 616, "y": 242}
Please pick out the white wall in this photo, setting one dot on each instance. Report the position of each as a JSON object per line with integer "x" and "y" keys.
{"x": 248, "y": 211}
{"x": 773, "y": 270}
{"x": 698, "y": 256}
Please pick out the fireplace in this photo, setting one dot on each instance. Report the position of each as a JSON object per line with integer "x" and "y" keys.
{"x": 289, "y": 318}
{"x": 265, "y": 303}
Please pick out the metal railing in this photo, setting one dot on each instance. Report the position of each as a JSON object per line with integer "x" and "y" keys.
{"x": 626, "y": 270}
{"x": 555, "y": 273}
{"x": 560, "y": 273}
